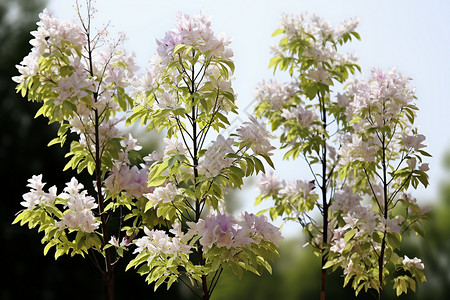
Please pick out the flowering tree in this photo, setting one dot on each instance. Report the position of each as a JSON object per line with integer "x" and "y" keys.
{"x": 381, "y": 157}
{"x": 83, "y": 82}
{"x": 80, "y": 79}
{"x": 310, "y": 115}
{"x": 377, "y": 155}
{"x": 187, "y": 92}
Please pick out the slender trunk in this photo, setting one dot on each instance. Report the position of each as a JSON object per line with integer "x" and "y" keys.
{"x": 324, "y": 198}
{"x": 325, "y": 232}
{"x": 385, "y": 215}
{"x": 198, "y": 203}
{"x": 109, "y": 286}
{"x": 108, "y": 272}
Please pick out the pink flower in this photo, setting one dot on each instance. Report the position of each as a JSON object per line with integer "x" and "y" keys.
{"x": 259, "y": 137}
{"x": 268, "y": 183}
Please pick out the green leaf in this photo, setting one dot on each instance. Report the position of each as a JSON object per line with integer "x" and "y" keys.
{"x": 356, "y": 35}
{"x": 350, "y": 234}
{"x": 47, "y": 248}
{"x": 237, "y": 171}
{"x": 394, "y": 240}
{"x": 269, "y": 161}
{"x": 20, "y": 216}
{"x": 179, "y": 48}
{"x": 329, "y": 264}
{"x": 278, "y": 31}
{"x": 154, "y": 176}
{"x": 258, "y": 165}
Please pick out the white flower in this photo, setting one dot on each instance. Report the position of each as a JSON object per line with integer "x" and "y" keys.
{"x": 130, "y": 143}
{"x": 338, "y": 245}
{"x": 214, "y": 160}
{"x": 36, "y": 182}
{"x": 37, "y": 195}
{"x": 225, "y": 231}
{"x": 414, "y": 141}
{"x": 268, "y": 183}
{"x": 153, "y": 157}
{"x": 320, "y": 75}
{"x": 391, "y": 225}
{"x": 260, "y": 228}
{"x": 414, "y": 262}
{"x": 346, "y": 201}
{"x": 163, "y": 194}
{"x": 194, "y": 31}
{"x": 274, "y": 92}
{"x": 85, "y": 221}
{"x": 133, "y": 181}
{"x": 296, "y": 187}
{"x": 79, "y": 213}
{"x": 354, "y": 148}
{"x": 173, "y": 147}
{"x": 305, "y": 117}
{"x": 113, "y": 241}
{"x": 258, "y": 136}
{"x": 72, "y": 188}
{"x": 141, "y": 84}
{"x": 158, "y": 242}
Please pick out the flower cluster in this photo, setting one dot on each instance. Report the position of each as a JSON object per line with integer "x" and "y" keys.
{"x": 382, "y": 104}
{"x": 414, "y": 262}
{"x": 310, "y": 25}
{"x": 384, "y": 95}
{"x": 360, "y": 217}
{"x": 295, "y": 187}
{"x": 37, "y": 196}
{"x": 294, "y": 197}
{"x": 257, "y": 136}
{"x": 163, "y": 194}
{"x": 193, "y": 31}
{"x": 132, "y": 180}
{"x": 215, "y": 160}
{"x": 274, "y": 92}
{"x": 303, "y": 116}
{"x": 173, "y": 147}
{"x": 79, "y": 213}
{"x": 355, "y": 148}
{"x": 225, "y": 231}
{"x": 51, "y": 35}
{"x": 77, "y": 203}
{"x": 268, "y": 183}
{"x": 157, "y": 242}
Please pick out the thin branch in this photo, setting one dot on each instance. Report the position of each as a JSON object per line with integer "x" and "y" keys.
{"x": 371, "y": 187}
{"x": 391, "y": 198}
{"x": 190, "y": 288}
{"x": 312, "y": 171}
{"x": 213, "y": 284}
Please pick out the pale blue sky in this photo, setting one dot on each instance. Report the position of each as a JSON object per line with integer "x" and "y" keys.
{"x": 412, "y": 35}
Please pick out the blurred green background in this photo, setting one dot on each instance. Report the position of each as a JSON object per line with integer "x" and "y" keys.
{"x": 30, "y": 275}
